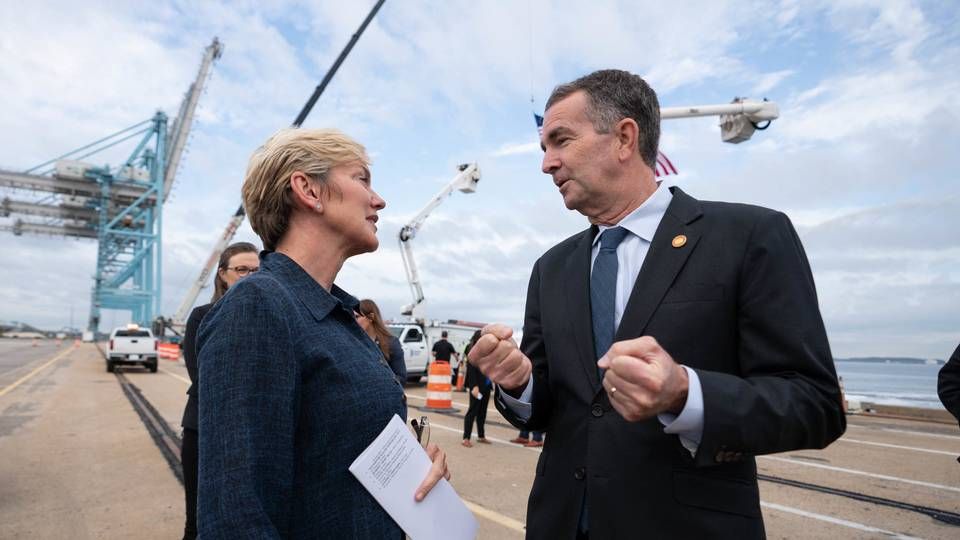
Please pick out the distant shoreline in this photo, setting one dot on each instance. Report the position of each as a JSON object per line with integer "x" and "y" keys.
{"x": 893, "y": 360}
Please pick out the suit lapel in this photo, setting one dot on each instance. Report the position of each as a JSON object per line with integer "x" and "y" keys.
{"x": 662, "y": 263}
{"x": 578, "y": 298}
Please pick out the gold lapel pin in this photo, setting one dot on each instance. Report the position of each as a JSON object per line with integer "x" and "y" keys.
{"x": 679, "y": 241}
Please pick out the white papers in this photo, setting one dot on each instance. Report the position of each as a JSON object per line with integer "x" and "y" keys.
{"x": 392, "y": 468}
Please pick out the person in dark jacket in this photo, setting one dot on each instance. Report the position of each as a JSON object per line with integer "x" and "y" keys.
{"x": 479, "y": 388}
{"x": 948, "y": 384}
{"x": 236, "y": 262}
{"x": 664, "y": 346}
{"x": 369, "y": 318}
{"x": 293, "y": 389}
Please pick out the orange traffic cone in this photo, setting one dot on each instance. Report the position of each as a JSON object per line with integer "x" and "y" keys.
{"x": 439, "y": 393}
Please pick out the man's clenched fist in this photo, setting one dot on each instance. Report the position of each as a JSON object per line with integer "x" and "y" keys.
{"x": 642, "y": 380}
{"x": 496, "y": 355}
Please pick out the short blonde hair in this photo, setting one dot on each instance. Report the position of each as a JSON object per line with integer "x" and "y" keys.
{"x": 267, "y": 195}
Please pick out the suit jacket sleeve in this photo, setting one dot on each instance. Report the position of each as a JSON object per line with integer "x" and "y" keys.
{"x": 397, "y": 364}
{"x": 948, "y": 384}
{"x": 784, "y": 394}
{"x": 534, "y": 347}
{"x": 248, "y": 415}
{"x": 189, "y": 344}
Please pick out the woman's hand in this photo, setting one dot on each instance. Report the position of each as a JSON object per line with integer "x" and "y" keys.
{"x": 437, "y": 471}
{"x": 475, "y": 391}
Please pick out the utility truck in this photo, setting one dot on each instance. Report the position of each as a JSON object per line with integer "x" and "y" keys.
{"x": 418, "y": 338}
{"x": 132, "y": 345}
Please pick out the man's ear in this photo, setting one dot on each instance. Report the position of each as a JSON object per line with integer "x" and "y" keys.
{"x": 627, "y": 133}
{"x": 306, "y": 192}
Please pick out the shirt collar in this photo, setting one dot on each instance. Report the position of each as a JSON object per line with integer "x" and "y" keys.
{"x": 644, "y": 221}
{"x": 318, "y": 301}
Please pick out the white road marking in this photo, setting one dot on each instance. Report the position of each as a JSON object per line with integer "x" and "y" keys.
{"x": 899, "y": 447}
{"x": 175, "y": 376}
{"x": 491, "y": 439}
{"x": 906, "y": 431}
{"x": 26, "y": 377}
{"x": 833, "y": 520}
{"x": 486, "y": 513}
{"x": 860, "y": 473}
{"x": 772, "y": 506}
{"x": 421, "y": 398}
{"x": 495, "y": 517}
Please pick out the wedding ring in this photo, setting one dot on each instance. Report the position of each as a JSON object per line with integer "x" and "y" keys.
{"x": 613, "y": 390}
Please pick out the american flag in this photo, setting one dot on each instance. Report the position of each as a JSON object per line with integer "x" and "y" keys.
{"x": 664, "y": 165}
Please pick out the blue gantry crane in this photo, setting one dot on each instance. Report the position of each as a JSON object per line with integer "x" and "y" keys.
{"x": 121, "y": 206}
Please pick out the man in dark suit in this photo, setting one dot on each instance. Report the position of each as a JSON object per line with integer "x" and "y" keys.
{"x": 948, "y": 384}
{"x": 664, "y": 346}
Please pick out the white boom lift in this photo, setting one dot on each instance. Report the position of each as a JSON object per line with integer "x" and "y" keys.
{"x": 738, "y": 120}
{"x": 465, "y": 181}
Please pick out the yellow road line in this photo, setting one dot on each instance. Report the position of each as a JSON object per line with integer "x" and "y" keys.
{"x": 495, "y": 517}
{"x": 175, "y": 376}
{"x": 26, "y": 377}
{"x": 486, "y": 513}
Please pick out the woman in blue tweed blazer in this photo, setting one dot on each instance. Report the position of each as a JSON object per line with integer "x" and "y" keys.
{"x": 293, "y": 389}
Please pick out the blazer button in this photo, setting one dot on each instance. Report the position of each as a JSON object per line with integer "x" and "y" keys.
{"x": 580, "y": 473}
{"x": 597, "y": 411}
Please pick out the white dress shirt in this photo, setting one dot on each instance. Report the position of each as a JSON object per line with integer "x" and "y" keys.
{"x": 642, "y": 224}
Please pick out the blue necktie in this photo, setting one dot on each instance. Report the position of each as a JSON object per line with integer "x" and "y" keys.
{"x": 603, "y": 289}
{"x": 603, "y": 303}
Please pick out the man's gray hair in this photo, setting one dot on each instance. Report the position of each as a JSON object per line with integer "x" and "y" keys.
{"x": 613, "y": 95}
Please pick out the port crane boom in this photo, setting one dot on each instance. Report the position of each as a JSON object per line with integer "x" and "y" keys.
{"x": 180, "y": 131}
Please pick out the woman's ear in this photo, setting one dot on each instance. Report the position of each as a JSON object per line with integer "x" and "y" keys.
{"x": 305, "y": 191}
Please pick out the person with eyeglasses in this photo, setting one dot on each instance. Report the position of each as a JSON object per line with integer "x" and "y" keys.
{"x": 369, "y": 318}
{"x": 293, "y": 388}
{"x": 236, "y": 262}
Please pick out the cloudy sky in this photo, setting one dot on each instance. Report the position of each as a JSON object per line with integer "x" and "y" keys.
{"x": 864, "y": 158}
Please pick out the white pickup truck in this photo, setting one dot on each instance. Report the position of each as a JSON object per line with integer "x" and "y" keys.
{"x": 418, "y": 338}
{"x": 132, "y": 345}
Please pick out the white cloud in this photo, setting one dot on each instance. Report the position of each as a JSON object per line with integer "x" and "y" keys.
{"x": 770, "y": 81}
{"x": 512, "y": 149}
{"x": 868, "y": 120}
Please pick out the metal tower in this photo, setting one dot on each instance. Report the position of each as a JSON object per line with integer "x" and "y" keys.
{"x": 122, "y": 207}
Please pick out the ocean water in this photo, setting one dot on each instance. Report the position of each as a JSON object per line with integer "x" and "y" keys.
{"x": 891, "y": 383}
